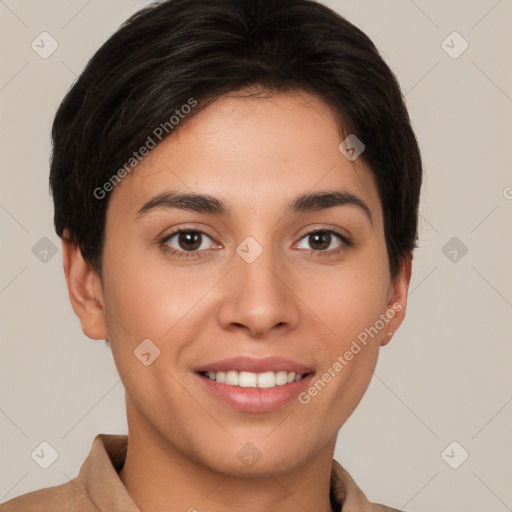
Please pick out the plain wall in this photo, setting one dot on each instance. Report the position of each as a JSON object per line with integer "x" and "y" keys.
{"x": 446, "y": 374}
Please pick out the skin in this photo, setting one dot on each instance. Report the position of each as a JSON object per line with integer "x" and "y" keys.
{"x": 257, "y": 154}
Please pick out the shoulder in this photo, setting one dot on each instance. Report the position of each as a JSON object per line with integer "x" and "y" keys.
{"x": 96, "y": 487}
{"x": 65, "y": 497}
{"x": 382, "y": 508}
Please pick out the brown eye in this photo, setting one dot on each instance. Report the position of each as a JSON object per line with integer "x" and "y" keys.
{"x": 324, "y": 241}
{"x": 320, "y": 240}
{"x": 188, "y": 241}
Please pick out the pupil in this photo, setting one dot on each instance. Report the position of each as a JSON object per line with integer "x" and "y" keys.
{"x": 190, "y": 240}
{"x": 321, "y": 238}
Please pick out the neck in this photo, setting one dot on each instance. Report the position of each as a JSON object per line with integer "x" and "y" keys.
{"x": 159, "y": 477}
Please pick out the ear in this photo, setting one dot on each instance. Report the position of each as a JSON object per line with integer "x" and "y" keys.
{"x": 397, "y": 303}
{"x": 85, "y": 291}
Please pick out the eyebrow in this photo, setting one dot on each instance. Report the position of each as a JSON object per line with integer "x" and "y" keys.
{"x": 204, "y": 203}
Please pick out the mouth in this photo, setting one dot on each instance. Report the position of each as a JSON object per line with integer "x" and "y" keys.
{"x": 263, "y": 380}
{"x": 255, "y": 385}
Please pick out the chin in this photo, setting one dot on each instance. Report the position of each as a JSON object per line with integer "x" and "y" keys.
{"x": 255, "y": 460}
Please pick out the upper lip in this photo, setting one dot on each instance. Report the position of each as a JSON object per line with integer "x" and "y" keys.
{"x": 255, "y": 365}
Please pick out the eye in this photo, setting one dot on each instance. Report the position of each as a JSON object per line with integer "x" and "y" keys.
{"x": 185, "y": 241}
{"x": 322, "y": 240}
{"x": 194, "y": 243}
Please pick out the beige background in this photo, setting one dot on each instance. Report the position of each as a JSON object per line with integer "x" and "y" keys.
{"x": 445, "y": 376}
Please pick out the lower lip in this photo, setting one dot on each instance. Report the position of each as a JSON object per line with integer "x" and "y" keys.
{"x": 256, "y": 399}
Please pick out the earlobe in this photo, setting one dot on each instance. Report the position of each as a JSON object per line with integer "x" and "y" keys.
{"x": 85, "y": 293}
{"x": 397, "y": 304}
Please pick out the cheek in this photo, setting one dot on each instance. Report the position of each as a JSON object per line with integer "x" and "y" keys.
{"x": 148, "y": 299}
{"x": 356, "y": 302}
{"x": 351, "y": 299}
{"x": 350, "y": 307}
{"x": 146, "y": 308}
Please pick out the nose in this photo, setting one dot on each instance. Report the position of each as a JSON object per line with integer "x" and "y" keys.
{"x": 258, "y": 297}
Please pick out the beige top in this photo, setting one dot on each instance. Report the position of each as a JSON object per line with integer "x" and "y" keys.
{"x": 99, "y": 488}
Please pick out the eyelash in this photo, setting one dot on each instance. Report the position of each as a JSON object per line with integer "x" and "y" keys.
{"x": 205, "y": 252}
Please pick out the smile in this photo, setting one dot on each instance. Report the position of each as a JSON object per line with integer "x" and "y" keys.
{"x": 263, "y": 380}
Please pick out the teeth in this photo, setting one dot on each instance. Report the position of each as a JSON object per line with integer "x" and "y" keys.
{"x": 254, "y": 380}
{"x": 266, "y": 380}
{"x": 281, "y": 378}
{"x": 231, "y": 378}
{"x": 247, "y": 380}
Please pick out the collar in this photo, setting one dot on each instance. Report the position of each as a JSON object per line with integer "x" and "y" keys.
{"x": 99, "y": 480}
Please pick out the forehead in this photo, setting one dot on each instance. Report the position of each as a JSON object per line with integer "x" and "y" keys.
{"x": 255, "y": 152}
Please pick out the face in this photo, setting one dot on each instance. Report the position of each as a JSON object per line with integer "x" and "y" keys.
{"x": 248, "y": 283}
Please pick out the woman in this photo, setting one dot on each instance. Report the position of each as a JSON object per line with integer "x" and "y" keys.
{"x": 236, "y": 186}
